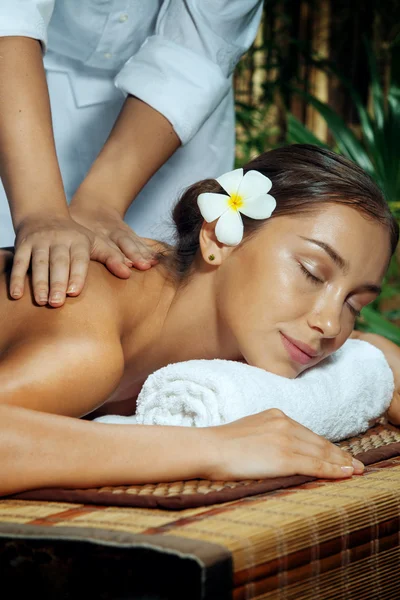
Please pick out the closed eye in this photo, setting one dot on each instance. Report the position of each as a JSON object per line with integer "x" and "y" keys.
{"x": 353, "y": 310}
{"x": 309, "y": 275}
{"x": 316, "y": 281}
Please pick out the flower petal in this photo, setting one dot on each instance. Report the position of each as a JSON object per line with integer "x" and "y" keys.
{"x": 231, "y": 181}
{"x": 229, "y": 228}
{"x": 260, "y": 207}
{"x": 254, "y": 184}
{"x": 212, "y": 205}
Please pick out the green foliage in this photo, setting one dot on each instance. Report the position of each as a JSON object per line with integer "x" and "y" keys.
{"x": 253, "y": 136}
{"x": 377, "y": 147}
{"x": 373, "y": 321}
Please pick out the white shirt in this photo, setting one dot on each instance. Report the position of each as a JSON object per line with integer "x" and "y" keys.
{"x": 176, "y": 55}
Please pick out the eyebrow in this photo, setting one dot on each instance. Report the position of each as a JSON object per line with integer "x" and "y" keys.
{"x": 342, "y": 264}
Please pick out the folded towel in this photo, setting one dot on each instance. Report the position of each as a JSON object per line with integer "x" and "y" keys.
{"x": 341, "y": 397}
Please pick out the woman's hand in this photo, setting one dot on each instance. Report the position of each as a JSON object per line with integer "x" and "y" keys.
{"x": 59, "y": 250}
{"x": 108, "y": 226}
{"x": 270, "y": 444}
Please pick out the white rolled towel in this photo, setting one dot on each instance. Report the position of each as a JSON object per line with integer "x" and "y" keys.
{"x": 341, "y": 397}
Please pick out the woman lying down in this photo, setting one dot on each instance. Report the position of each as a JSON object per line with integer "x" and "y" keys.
{"x": 269, "y": 276}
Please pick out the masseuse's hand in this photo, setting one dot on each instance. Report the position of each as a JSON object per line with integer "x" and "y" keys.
{"x": 108, "y": 225}
{"x": 270, "y": 444}
{"x": 59, "y": 250}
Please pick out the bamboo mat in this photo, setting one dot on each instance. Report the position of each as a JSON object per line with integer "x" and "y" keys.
{"x": 322, "y": 539}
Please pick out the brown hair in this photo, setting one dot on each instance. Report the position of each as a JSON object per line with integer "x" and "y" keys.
{"x": 303, "y": 177}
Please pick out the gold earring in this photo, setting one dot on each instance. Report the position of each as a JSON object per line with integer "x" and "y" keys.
{"x": 211, "y": 257}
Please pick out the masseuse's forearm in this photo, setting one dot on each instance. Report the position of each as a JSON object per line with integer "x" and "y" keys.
{"x": 28, "y": 162}
{"x": 42, "y": 450}
{"x": 141, "y": 141}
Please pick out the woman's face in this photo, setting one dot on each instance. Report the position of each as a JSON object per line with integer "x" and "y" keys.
{"x": 289, "y": 295}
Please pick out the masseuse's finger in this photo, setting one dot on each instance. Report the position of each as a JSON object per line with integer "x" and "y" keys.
{"x": 79, "y": 265}
{"x": 40, "y": 274}
{"x": 140, "y": 255}
{"x": 111, "y": 256}
{"x": 21, "y": 262}
{"x": 59, "y": 273}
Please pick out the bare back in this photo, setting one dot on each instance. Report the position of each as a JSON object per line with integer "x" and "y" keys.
{"x": 66, "y": 359}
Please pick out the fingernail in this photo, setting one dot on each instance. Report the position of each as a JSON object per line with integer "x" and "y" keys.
{"x": 16, "y": 292}
{"x": 347, "y": 470}
{"x": 357, "y": 464}
{"x": 42, "y": 297}
{"x": 56, "y": 297}
{"x": 71, "y": 289}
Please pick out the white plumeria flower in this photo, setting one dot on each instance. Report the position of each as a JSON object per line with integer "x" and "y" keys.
{"x": 247, "y": 194}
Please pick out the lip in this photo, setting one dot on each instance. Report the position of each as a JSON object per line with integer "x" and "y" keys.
{"x": 298, "y": 351}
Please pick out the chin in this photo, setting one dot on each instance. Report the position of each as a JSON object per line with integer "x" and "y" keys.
{"x": 283, "y": 370}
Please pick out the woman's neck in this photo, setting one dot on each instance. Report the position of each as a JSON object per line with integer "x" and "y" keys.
{"x": 167, "y": 321}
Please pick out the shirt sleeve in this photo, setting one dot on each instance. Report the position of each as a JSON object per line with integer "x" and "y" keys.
{"x": 27, "y": 18}
{"x": 184, "y": 70}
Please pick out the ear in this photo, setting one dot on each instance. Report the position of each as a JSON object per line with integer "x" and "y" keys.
{"x": 210, "y": 246}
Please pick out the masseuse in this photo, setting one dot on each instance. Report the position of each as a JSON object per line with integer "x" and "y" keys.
{"x": 141, "y": 107}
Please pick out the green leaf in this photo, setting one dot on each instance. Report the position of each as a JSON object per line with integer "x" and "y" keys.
{"x": 373, "y": 321}
{"x": 365, "y": 119}
{"x": 377, "y": 92}
{"x": 297, "y": 133}
{"x": 393, "y": 117}
{"x": 347, "y": 142}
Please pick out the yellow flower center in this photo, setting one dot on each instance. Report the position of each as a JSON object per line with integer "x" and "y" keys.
{"x": 235, "y": 202}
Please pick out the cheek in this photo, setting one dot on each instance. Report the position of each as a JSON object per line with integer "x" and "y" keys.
{"x": 264, "y": 291}
{"x": 290, "y": 296}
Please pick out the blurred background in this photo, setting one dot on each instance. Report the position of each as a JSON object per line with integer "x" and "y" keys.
{"x": 327, "y": 72}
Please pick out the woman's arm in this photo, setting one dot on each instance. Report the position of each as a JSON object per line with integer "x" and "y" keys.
{"x": 41, "y": 450}
{"x": 392, "y": 355}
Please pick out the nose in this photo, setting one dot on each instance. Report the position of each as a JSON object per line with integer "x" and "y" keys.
{"x": 326, "y": 318}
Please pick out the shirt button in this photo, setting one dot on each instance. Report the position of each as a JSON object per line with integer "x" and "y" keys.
{"x": 123, "y": 18}
{"x": 107, "y": 55}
